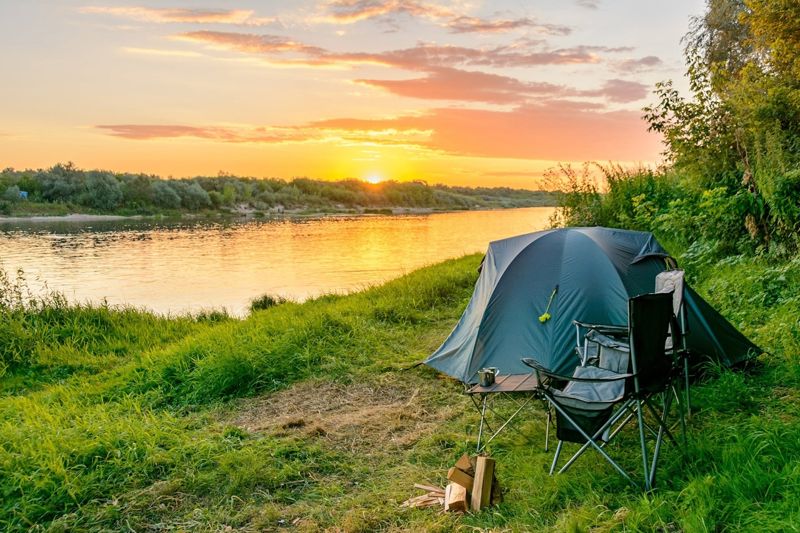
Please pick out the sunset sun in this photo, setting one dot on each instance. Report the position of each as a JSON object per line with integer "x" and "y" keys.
{"x": 373, "y": 179}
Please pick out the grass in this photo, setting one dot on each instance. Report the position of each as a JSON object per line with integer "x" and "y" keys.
{"x": 305, "y": 416}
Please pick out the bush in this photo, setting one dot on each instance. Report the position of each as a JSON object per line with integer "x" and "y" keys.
{"x": 11, "y": 194}
{"x": 102, "y": 191}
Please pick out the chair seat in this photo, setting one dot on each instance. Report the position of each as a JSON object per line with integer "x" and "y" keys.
{"x": 592, "y": 396}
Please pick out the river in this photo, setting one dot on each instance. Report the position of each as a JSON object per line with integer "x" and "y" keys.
{"x": 178, "y": 267}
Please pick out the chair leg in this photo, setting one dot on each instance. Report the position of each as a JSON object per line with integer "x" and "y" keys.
{"x": 686, "y": 387}
{"x": 681, "y": 412}
{"x": 596, "y": 446}
{"x": 610, "y": 422}
{"x": 555, "y": 457}
{"x": 643, "y": 443}
{"x": 663, "y": 426}
{"x": 661, "y": 429}
{"x": 547, "y": 433}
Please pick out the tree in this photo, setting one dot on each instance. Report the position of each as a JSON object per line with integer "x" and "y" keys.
{"x": 741, "y": 128}
{"x": 101, "y": 191}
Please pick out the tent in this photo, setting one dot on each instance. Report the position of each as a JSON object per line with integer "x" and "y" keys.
{"x": 585, "y": 274}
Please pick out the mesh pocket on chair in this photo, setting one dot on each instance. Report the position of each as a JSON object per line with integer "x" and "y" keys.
{"x": 589, "y": 421}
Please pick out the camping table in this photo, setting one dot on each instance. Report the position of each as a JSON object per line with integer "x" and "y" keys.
{"x": 511, "y": 386}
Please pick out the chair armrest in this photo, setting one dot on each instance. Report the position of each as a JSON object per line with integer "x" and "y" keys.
{"x": 527, "y": 361}
{"x": 602, "y": 328}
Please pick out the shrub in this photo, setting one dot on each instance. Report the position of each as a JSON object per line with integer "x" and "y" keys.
{"x": 265, "y": 301}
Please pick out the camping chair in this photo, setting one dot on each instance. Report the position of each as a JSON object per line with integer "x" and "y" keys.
{"x": 585, "y": 407}
{"x": 673, "y": 281}
{"x": 607, "y": 345}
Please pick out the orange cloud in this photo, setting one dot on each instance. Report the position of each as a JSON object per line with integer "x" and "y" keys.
{"x": 269, "y": 135}
{"x": 252, "y": 43}
{"x": 556, "y": 130}
{"x": 454, "y": 84}
{"x": 195, "y": 16}
{"x": 421, "y": 57}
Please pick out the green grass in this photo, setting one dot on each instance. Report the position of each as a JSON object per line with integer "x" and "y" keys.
{"x": 304, "y": 416}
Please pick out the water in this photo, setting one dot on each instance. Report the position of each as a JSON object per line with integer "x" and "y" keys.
{"x": 187, "y": 267}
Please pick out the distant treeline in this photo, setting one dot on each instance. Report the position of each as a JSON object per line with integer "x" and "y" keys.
{"x": 104, "y": 191}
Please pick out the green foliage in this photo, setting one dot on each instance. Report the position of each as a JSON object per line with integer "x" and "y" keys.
{"x": 108, "y": 192}
{"x": 741, "y": 128}
{"x": 265, "y": 301}
{"x": 45, "y": 336}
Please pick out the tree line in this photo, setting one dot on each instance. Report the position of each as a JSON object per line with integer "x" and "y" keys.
{"x": 104, "y": 191}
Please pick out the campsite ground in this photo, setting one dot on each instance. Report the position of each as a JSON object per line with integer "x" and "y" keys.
{"x": 304, "y": 416}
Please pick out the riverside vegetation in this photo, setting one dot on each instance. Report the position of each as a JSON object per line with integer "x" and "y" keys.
{"x": 64, "y": 189}
{"x": 305, "y": 415}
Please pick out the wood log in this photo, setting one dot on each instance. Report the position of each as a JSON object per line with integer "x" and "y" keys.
{"x": 465, "y": 465}
{"x": 456, "y": 475}
{"x": 482, "y": 486}
{"x": 429, "y": 488}
{"x": 455, "y": 498}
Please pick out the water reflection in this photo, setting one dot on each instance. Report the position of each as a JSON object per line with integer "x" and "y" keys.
{"x": 173, "y": 267}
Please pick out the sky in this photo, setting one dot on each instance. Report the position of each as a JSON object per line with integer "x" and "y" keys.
{"x": 472, "y": 93}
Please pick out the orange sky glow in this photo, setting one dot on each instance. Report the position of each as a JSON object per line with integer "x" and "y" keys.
{"x": 456, "y": 92}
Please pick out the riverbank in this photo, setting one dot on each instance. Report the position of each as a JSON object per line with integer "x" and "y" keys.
{"x": 73, "y": 217}
{"x": 64, "y": 189}
{"x": 243, "y": 214}
{"x": 304, "y": 416}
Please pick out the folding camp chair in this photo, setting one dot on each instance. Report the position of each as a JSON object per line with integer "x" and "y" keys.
{"x": 598, "y": 402}
{"x": 673, "y": 281}
{"x": 606, "y": 345}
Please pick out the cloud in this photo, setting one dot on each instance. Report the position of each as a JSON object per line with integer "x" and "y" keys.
{"x": 252, "y": 43}
{"x": 637, "y": 65}
{"x": 555, "y": 130}
{"x": 282, "y": 50}
{"x": 588, "y": 4}
{"x": 194, "y": 16}
{"x": 465, "y": 24}
{"x": 453, "y": 84}
{"x": 350, "y": 11}
{"x": 266, "y": 135}
{"x": 620, "y": 91}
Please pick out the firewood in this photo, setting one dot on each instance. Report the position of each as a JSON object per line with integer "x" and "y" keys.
{"x": 482, "y": 486}
{"x": 455, "y": 498}
{"x": 456, "y": 475}
{"x": 429, "y": 488}
{"x": 465, "y": 465}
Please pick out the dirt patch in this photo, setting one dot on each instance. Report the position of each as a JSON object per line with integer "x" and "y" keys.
{"x": 394, "y": 412}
